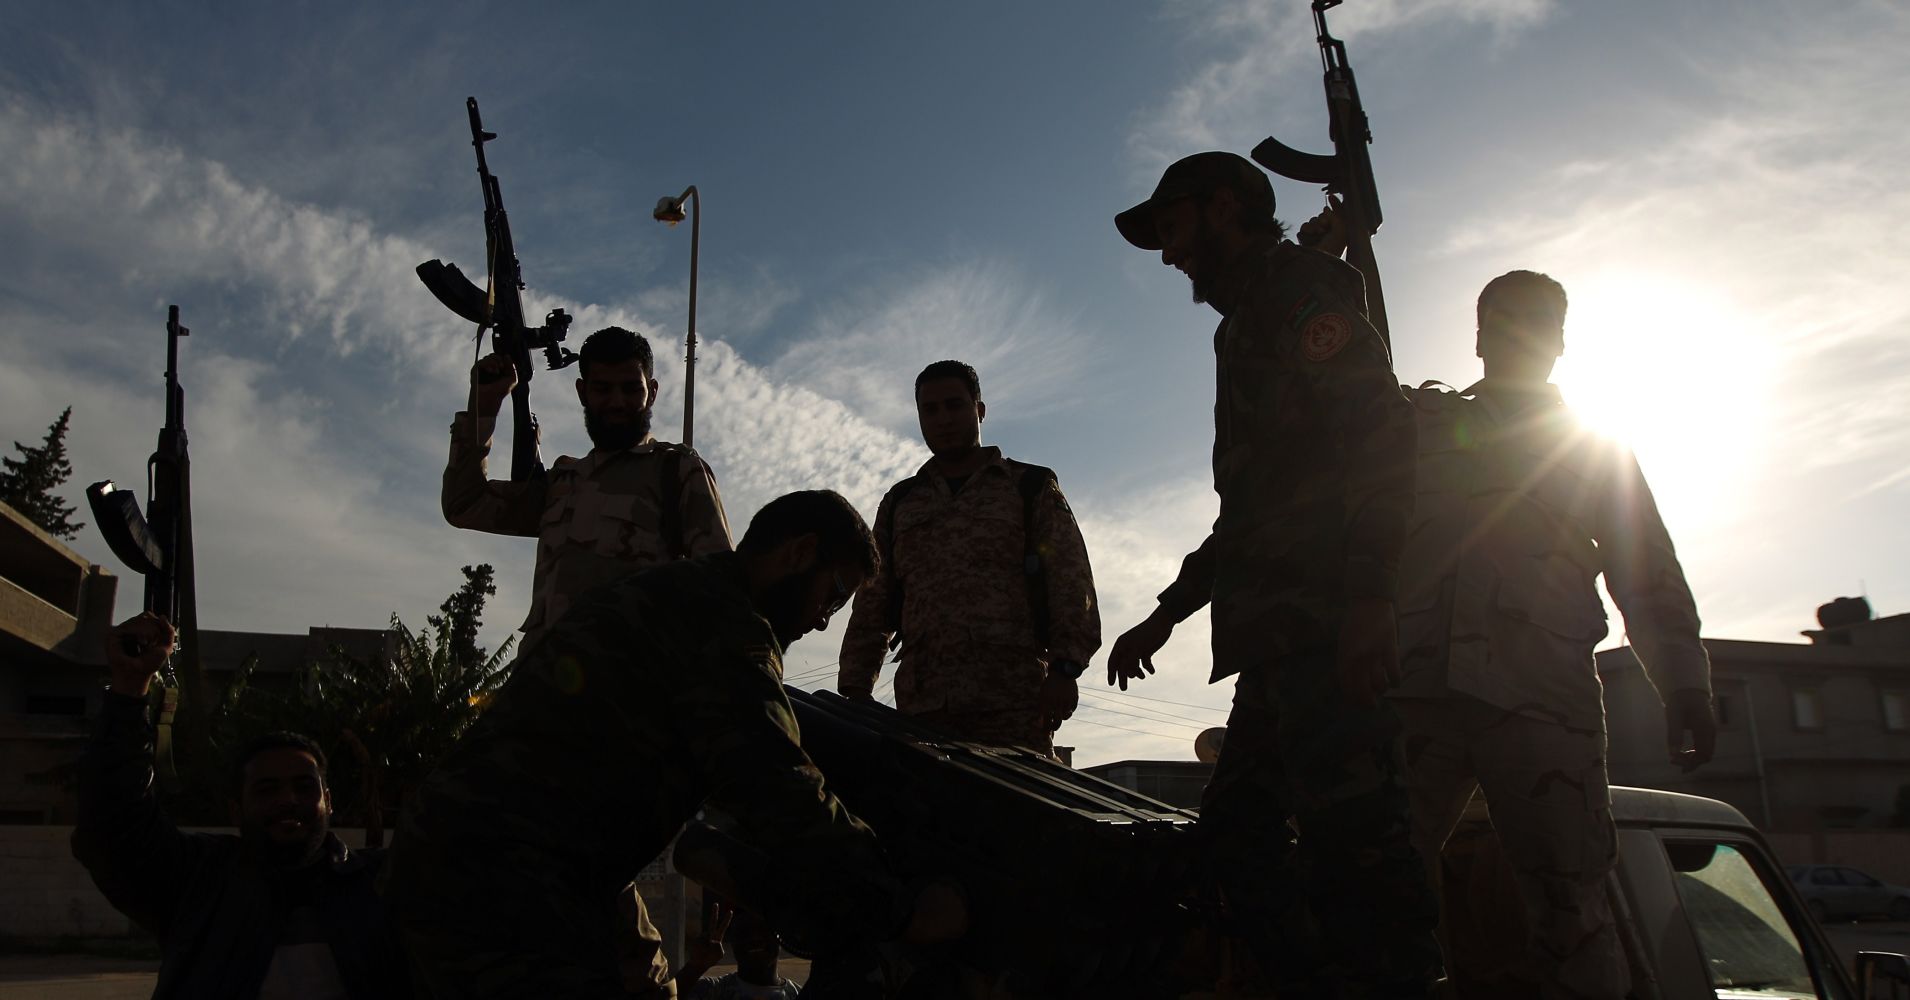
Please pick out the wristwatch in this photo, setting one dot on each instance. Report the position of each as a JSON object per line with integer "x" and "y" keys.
{"x": 1071, "y": 669}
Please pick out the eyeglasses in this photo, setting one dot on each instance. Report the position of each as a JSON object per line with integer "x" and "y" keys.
{"x": 841, "y": 598}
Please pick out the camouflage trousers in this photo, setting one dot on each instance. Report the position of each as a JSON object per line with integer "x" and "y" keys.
{"x": 1546, "y": 787}
{"x": 1008, "y": 726}
{"x": 1306, "y": 818}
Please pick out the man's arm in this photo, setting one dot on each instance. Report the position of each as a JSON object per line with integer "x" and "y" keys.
{"x": 706, "y": 528}
{"x": 1074, "y": 618}
{"x": 1648, "y": 585}
{"x": 865, "y": 640}
{"x": 136, "y": 856}
{"x": 1132, "y": 657}
{"x": 1371, "y": 425}
{"x": 470, "y": 499}
{"x": 742, "y": 732}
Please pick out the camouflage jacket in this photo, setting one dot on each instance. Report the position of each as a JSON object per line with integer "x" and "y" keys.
{"x": 1519, "y": 509}
{"x": 1313, "y": 461}
{"x": 595, "y": 518}
{"x": 969, "y": 635}
{"x": 654, "y": 694}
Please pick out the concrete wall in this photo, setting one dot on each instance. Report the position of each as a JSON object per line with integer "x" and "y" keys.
{"x": 49, "y": 895}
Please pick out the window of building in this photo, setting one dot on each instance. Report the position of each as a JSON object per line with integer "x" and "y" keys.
{"x": 1806, "y": 711}
{"x": 1896, "y": 711}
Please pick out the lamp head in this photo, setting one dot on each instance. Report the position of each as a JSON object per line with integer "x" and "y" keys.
{"x": 669, "y": 211}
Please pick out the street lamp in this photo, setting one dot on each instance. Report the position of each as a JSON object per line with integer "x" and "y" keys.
{"x": 669, "y": 211}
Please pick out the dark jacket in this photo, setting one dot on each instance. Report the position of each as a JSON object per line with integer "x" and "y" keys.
{"x": 217, "y": 908}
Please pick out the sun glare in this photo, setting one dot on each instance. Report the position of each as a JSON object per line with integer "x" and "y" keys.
{"x": 1679, "y": 375}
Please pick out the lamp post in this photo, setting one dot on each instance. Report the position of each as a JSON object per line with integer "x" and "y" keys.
{"x": 669, "y": 211}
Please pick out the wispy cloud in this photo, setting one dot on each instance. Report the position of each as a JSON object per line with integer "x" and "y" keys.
{"x": 1263, "y": 53}
{"x": 867, "y": 353}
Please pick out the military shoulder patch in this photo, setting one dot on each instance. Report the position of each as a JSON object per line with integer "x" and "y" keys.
{"x": 1325, "y": 335}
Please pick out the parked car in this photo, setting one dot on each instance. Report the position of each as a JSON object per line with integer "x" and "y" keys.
{"x": 1836, "y": 892}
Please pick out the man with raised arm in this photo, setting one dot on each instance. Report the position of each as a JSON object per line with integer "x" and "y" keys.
{"x": 1313, "y": 461}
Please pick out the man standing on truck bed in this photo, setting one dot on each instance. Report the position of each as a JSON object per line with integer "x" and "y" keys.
{"x": 1313, "y": 462}
{"x": 984, "y": 584}
{"x": 1519, "y": 509}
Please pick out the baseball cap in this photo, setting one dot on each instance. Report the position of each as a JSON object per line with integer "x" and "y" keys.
{"x": 1196, "y": 176}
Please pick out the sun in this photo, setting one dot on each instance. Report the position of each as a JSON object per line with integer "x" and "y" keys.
{"x": 1678, "y": 374}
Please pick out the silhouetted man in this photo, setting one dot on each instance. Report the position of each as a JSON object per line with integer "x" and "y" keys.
{"x": 1313, "y": 453}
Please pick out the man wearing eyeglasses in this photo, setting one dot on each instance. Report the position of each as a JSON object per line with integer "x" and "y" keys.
{"x": 985, "y": 586}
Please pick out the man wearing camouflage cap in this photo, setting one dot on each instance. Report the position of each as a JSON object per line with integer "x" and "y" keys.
{"x": 1519, "y": 510}
{"x": 1313, "y": 461}
{"x": 985, "y": 584}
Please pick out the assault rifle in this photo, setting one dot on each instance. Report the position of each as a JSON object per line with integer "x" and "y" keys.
{"x": 1347, "y": 171}
{"x": 158, "y": 545}
{"x": 499, "y": 308}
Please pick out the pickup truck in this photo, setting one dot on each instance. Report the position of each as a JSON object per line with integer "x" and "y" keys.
{"x": 1703, "y": 906}
{"x": 1081, "y": 888}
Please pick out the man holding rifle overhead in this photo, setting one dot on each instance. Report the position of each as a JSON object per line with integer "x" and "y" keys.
{"x": 1313, "y": 461}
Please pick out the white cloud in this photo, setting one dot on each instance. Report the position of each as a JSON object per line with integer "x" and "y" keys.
{"x": 1266, "y": 54}
{"x": 867, "y": 353}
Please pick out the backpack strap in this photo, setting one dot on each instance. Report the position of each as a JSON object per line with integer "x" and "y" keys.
{"x": 1034, "y": 481}
{"x": 670, "y": 504}
{"x": 885, "y": 547}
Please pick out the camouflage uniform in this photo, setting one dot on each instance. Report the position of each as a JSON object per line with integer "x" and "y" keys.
{"x": 653, "y": 694}
{"x": 971, "y": 663}
{"x": 1519, "y": 509}
{"x": 1313, "y": 463}
{"x": 595, "y": 518}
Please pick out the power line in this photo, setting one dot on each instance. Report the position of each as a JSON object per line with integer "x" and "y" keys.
{"x": 1142, "y": 718}
{"x": 1199, "y": 722}
{"x": 1184, "y": 704}
{"x": 1125, "y": 729}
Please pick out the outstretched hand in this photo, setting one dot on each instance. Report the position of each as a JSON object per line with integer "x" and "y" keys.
{"x": 1132, "y": 657}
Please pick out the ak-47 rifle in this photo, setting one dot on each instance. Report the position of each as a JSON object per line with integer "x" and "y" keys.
{"x": 158, "y": 546}
{"x": 500, "y": 308}
{"x": 1348, "y": 171}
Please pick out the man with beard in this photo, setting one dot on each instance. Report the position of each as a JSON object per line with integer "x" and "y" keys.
{"x": 284, "y": 909}
{"x": 1313, "y": 462}
{"x": 632, "y": 503}
{"x": 655, "y": 693}
{"x": 985, "y": 584}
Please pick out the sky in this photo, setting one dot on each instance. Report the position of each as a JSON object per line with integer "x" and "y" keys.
{"x": 1720, "y": 185}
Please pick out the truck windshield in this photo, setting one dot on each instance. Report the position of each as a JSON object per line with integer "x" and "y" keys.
{"x": 1749, "y": 948}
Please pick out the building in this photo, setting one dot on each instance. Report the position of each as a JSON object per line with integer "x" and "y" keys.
{"x": 1811, "y": 736}
{"x": 55, "y": 609}
{"x": 1175, "y": 782}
